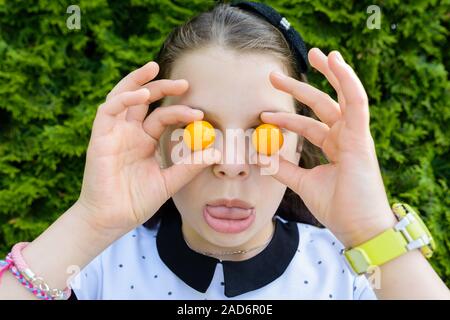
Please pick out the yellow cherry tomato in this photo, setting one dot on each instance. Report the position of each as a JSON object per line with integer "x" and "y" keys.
{"x": 199, "y": 135}
{"x": 267, "y": 139}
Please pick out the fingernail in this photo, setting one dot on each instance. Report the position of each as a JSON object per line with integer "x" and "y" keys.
{"x": 150, "y": 63}
{"x": 279, "y": 75}
{"x": 179, "y": 81}
{"x": 339, "y": 57}
{"x": 196, "y": 112}
{"x": 146, "y": 89}
{"x": 267, "y": 113}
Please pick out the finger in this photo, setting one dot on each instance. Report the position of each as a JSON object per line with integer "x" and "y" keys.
{"x": 356, "y": 102}
{"x": 108, "y": 113}
{"x": 159, "y": 90}
{"x": 326, "y": 109}
{"x": 313, "y": 130}
{"x": 135, "y": 79}
{"x": 122, "y": 101}
{"x": 166, "y": 87}
{"x": 319, "y": 61}
{"x": 179, "y": 174}
{"x": 136, "y": 113}
{"x": 288, "y": 173}
{"x": 161, "y": 117}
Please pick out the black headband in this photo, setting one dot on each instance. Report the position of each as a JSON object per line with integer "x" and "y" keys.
{"x": 294, "y": 39}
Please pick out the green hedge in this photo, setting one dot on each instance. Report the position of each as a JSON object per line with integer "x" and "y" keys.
{"x": 52, "y": 79}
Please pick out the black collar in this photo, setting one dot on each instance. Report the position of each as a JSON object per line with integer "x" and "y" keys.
{"x": 197, "y": 270}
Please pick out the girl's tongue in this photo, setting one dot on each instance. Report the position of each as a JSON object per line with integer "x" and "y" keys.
{"x": 223, "y": 212}
{"x": 228, "y": 219}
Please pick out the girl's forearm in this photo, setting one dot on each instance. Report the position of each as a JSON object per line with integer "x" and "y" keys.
{"x": 410, "y": 276}
{"x": 69, "y": 244}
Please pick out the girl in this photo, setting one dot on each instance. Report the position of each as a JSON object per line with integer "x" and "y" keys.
{"x": 148, "y": 227}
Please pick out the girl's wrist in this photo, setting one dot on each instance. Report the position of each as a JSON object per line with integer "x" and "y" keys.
{"x": 66, "y": 247}
{"x": 366, "y": 230}
{"x": 88, "y": 215}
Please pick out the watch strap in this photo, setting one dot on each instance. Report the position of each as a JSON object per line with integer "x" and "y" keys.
{"x": 386, "y": 246}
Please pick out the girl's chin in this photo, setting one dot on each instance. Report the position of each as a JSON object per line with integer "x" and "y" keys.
{"x": 226, "y": 241}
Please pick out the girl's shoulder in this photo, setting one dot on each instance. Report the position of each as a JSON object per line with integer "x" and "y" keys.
{"x": 127, "y": 255}
{"x": 313, "y": 234}
{"x": 320, "y": 250}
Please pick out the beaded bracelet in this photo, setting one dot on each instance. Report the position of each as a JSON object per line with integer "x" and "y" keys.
{"x": 36, "y": 285}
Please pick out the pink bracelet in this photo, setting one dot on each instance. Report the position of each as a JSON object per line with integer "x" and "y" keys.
{"x": 18, "y": 267}
{"x": 9, "y": 264}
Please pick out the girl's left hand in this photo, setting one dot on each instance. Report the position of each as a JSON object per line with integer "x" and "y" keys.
{"x": 347, "y": 194}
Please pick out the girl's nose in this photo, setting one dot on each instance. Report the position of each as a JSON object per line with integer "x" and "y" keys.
{"x": 234, "y": 161}
{"x": 232, "y": 170}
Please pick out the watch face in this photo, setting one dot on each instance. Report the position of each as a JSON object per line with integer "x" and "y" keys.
{"x": 426, "y": 250}
{"x": 401, "y": 210}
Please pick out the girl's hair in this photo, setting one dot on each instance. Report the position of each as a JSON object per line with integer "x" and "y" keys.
{"x": 242, "y": 31}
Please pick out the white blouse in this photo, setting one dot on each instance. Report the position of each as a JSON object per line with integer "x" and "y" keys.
{"x": 300, "y": 262}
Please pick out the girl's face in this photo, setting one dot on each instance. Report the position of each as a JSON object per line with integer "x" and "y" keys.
{"x": 232, "y": 89}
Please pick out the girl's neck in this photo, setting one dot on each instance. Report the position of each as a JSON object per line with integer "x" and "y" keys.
{"x": 254, "y": 246}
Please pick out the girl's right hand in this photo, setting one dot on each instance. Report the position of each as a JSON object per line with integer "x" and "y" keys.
{"x": 123, "y": 184}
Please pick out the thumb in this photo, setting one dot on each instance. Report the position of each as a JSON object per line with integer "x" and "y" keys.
{"x": 179, "y": 174}
{"x": 285, "y": 171}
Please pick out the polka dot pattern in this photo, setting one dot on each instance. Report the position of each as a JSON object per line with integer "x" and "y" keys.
{"x": 138, "y": 266}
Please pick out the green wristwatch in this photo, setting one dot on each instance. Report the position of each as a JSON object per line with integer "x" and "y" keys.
{"x": 408, "y": 234}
